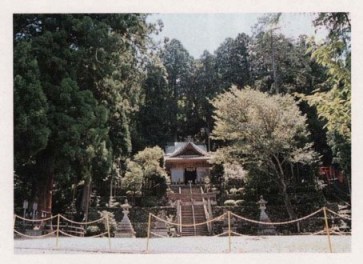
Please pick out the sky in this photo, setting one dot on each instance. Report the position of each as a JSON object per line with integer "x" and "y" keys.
{"x": 199, "y": 32}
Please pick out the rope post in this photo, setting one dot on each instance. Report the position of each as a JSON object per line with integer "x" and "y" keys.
{"x": 229, "y": 232}
{"x": 327, "y": 229}
{"x": 14, "y": 221}
{"x": 148, "y": 234}
{"x": 108, "y": 231}
{"x": 57, "y": 238}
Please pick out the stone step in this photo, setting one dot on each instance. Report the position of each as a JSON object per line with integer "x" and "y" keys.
{"x": 192, "y": 234}
{"x": 198, "y": 228}
{"x": 186, "y": 196}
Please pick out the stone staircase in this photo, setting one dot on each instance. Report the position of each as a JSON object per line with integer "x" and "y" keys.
{"x": 192, "y": 205}
{"x": 344, "y": 210}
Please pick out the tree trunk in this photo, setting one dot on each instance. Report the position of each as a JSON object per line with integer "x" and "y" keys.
{"x": 44, "y": 185}
{"x": 286, "y": 198}
{"x": 86, "y": 199}
{"x": 287, "y": 202}
{"x": 285, "y": 195}
{"x": 275, "y": 83}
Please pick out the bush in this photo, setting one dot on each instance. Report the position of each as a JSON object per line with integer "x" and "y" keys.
{"x": 239, "y": 202}
{"x": 92, "y": 230}
{"x": 111, "y": 220}
{"x": 233, "y": 191}
{"x": 230, "y": 202}
{"x": 241, "y": 190}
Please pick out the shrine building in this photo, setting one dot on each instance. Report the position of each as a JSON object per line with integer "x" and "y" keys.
{"x": 187, "y": 161}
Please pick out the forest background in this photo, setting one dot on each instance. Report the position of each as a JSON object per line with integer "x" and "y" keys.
{"x": 91, "y": 90}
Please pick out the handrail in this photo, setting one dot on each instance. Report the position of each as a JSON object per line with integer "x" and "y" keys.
{"x": 206, "y": 213}
{"x": 179, "y": 214}
{"x": 192, "y": 204}
{"x": 195, "y": 228}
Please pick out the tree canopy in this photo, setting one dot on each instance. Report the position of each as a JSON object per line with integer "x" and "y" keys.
{"x": 94, "y": 94}
{"x": 263, "y": 131}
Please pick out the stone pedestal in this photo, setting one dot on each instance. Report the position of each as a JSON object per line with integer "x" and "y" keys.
{"x": 124, "y": 228}
{"x": 33, "y": 232}
{"x": 159, "y": 227}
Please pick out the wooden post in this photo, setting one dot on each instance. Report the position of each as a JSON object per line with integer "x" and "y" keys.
{"x": 148, "y": 234}
{"x": 327, "y": 229}
{"x": 229, "y": 232}
{"x": 108, "y": 231}
{"x": 14, "y": 221}
{"x": 58, "y": 219}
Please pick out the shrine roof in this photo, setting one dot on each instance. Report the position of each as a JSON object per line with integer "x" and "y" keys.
{"x": 187, "y": 150}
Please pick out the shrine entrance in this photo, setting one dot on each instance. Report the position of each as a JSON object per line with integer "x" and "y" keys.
{"x": 186, "y": 161}
{"x": 190, "y": 174}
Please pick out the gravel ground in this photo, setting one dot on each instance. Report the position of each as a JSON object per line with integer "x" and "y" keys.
{"x": 241, "y": 244}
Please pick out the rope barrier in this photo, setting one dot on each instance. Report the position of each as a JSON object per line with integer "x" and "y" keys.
{"x": 327, "y": 231}
{"x": 148, "y": 233}
{"x": 99, "y": 235}
{"x": 108, "y": 231}
{"x": 63, "y": 217}
{"x": 242, "y": 218}
{"x": 277, "y": 223}
{"x": 339, "y": 233}
{"x": 69, "y": 235}
{"x": 229, "y": 232}
{"x": 152, "y": 233}
{"x": 82, "y": 223}
{"x": 35, "y": 220}
{"x": 335, "y": 213}
{"x": 318, "y": 233}
{"x": 222, "y": 234}
{"x": 66, "y": 234}
{"x": 237, "y": 234}
{"x": 190, "y": 225}
{"x": 40, "y": 236}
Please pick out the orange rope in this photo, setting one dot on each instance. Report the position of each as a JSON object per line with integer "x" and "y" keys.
{"x": 277, "y": 223}
{"x": 334, "y": 213}
{"x": 40, "y": 236}
{"x": 82, "y": 223}
{"x": 35, "y": 220}
{"x": 189, "y": 225}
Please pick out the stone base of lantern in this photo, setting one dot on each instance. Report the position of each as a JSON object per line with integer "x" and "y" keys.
{"x": 159, "y": 229}
{"x": 32, "y": 232}
{"x": 268, "y": 231}
{"x": 265, "y": 229}
{"x": 124, "y": 228}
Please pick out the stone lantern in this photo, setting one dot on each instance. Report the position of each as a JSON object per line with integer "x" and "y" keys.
{"x": 35, "y": 208}
{"x": 262, "y": 203}
{"x": 124, "y": 228}
{"x": 264, "y": 229}
{"x": 25, "y": 207}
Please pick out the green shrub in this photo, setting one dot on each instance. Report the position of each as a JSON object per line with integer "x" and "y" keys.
{"x": 230, "y": 202}
{"x": 92, "y": 230}
{"x": 239, "y": 202}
